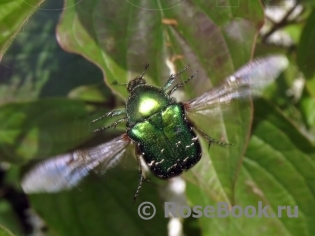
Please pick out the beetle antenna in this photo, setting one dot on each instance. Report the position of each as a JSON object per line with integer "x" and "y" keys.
{"x": 146, "y": 66}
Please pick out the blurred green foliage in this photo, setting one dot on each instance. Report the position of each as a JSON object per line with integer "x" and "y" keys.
{"x": 58, "y": 60}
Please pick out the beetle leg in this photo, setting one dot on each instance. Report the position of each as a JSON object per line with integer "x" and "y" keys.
{"x": 172, "y": 78}
{"x": 112, "y": 125}
{"x": 111, "y": 114}
{"x": 211, "y": 140}
{"x": 141, "y": 179}
{"x": 181, "y": 84}
{"x": 169, "y": 82}
{"x": 116, "y": 113}
{"x": 115, "y": 82}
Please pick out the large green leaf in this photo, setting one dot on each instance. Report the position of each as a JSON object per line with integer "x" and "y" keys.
{"x": 8, "y": 218}
{"x": 210, "y": 38}
{"x": 42, "y": 128}
{"x": 305, "y": 57}
{"x": 13, "y": 16}
{"x": 119, "y": 38}
{"x": 278, "y": 170}
{"x": 35, "y": 65}
{"x": 102, "y": 206}
{"x": 5, "y": 232}
{"x": 213, "y": 39}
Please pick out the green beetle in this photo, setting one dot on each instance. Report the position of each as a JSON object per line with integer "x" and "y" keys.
{"x": 158, "y": 127}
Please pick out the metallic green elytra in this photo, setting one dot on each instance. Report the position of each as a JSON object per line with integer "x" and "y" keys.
{"x": 158, "y": 126}
{"x": 166, "y": 141}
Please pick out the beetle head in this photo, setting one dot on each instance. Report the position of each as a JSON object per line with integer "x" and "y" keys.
{"x": 135, "y": 82}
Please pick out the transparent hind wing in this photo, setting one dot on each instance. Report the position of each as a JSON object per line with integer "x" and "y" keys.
{"x": 66, "y": 171}
{"x": 249, "y": 80}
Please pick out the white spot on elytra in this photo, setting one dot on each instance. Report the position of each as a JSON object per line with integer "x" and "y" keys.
{"x": 151, "y": 163}
{"x": 188, "y": 146}
{"x": 157, "y": 163}
{"x": 171, "y": 167}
